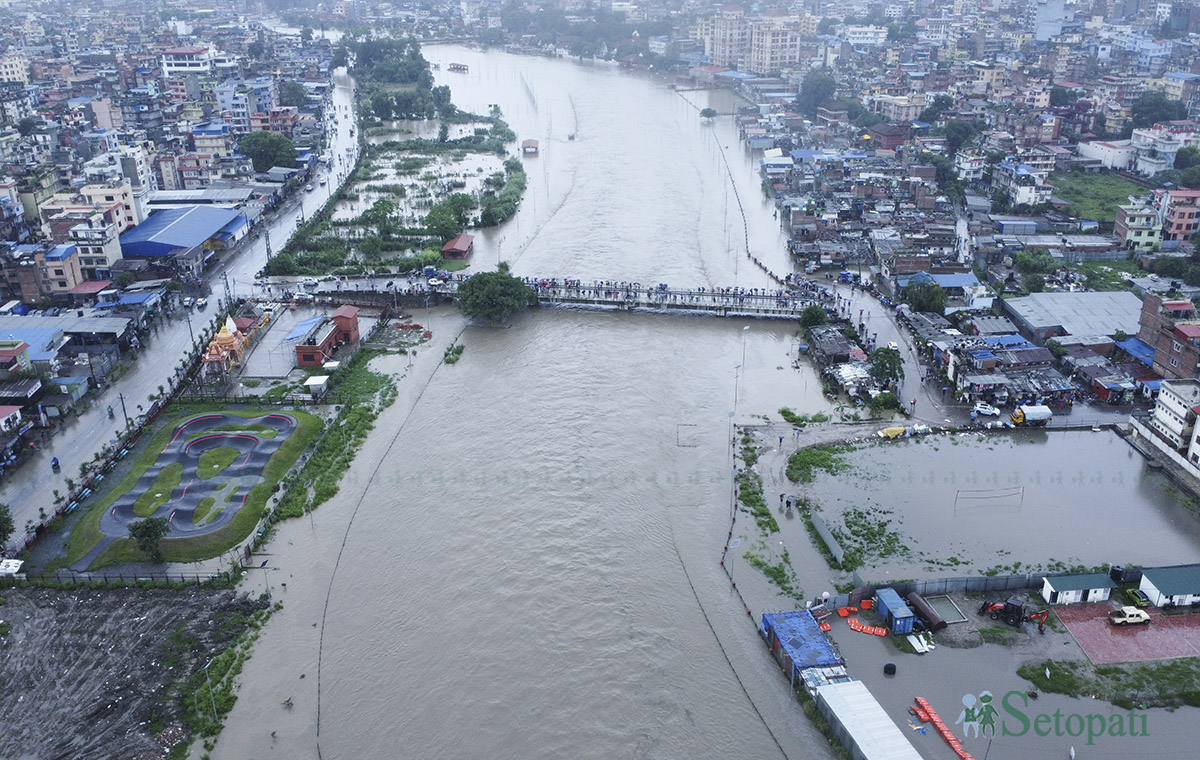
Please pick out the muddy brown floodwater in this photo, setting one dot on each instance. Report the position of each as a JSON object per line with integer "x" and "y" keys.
{"x": 85, "y": 673}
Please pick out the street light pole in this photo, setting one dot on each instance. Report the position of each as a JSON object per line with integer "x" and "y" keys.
{"x": 211, "y": 696}
{"x": 124, "y": 413}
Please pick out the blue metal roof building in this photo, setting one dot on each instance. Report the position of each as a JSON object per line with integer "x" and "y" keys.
{"x": 799, "y": 637}
{"x": 170, "y": 230}
{"x": 60, "y": 252}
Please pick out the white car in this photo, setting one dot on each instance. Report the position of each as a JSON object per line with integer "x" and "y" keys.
{"x": 986, "y": 409}
{"x": 893, "y": 345}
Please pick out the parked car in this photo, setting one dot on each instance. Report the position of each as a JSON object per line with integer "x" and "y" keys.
{"x": 302, "y": 297}
{"x": 1128, "y": 616}
{"x": 201, "y": 302}
{"x": 893, "y": 345}
{"x": 187, "y": 302}
{"x": 1138, "y": 597}
{"x": 308, "y": 188}
{"x": 310, "y": 282}
{"x": 986, "y": 409}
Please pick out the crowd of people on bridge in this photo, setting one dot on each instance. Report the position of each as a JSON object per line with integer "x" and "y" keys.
{"x": 799, "y": 293}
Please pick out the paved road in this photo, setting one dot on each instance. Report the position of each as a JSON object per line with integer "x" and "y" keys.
{"x": 31, "y": 487}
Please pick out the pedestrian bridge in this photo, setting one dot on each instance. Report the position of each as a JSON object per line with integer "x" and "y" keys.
{"x": 760, "y": 303}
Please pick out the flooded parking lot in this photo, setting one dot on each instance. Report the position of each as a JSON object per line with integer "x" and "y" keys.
{"x": 965, "y": 504}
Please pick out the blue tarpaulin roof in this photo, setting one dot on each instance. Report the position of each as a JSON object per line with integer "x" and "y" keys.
{"x": 966, "y": 280}
{"x": 982, "y": 354}
{"x": 802, "y": 638}
{"x": 1136, "y": 348}
{"x": 301, "y": 329}
{"x": 1008, "y": 341}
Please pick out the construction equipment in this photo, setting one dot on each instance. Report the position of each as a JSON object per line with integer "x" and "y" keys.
{"x": 1014, "y": 613}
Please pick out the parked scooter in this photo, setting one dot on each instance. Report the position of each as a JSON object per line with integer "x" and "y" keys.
{"x": 54, "y": 464}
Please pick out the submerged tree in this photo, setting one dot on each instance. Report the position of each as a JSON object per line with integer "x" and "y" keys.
{"x": 493, "y": 296}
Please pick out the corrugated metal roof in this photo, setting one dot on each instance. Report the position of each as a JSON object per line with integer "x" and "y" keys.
{"x": 860, "y": 715}
{"x": 1174, "y": 581}
{"x": 1081, "y": 582}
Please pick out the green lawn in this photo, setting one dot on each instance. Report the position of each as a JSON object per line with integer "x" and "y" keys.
{"x": 159, "y": 491}
{"x": 1094, "y": 196}
{"x": 202, "y": 510}
{"x": 86, "y": 533}
{"x": 214, "y": 461}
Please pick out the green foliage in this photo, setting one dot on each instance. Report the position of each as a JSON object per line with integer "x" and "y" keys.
{"x": 450, "y": 216}
{"x": 886, "y": 364}
{"x": 1060, "y": 97}
{"x": 803, "y": 465}
{"x": 148, "y": 534}
{"x": 267, "y": 149}
{"x": 781, "y": 574}
{"x": 1056, "y": 348}
{"x": 502, "y": 205}
{"x": 6, "y": 524}
{"x": 813, "y": 315}
{"x": 1094, "y": 196}
{"x": 1035, "y": 261}
{"x": 493, "y": 296}
{"x": 1034, "y": 283}
{"x": 1153, "y": 107}
{"x": 708, "y": 113}
{"x": 934, "y": 111}
{"x": 816, "y": 87}
{"x": 1190, "y": 177}
{"x": 292, "y": 93}
{"x": 958, "y": 134}
{"x": 452, "y": 353}
{"x": 202, "y": 509}
{"x": 883, "y": 402}
{"x": 1187, "y": 157}
{"x": 925, "y": 297}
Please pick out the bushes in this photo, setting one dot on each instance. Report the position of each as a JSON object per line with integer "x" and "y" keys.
{"x": 501, "y": 206}
{"x": 803, "y": 465}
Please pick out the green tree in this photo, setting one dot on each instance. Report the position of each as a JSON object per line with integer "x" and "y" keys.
{"x": 813, "y": 316}
{"x": 1056, "y": 349}
{"x": 1190, "y": 177}
{"x": 1187, "y": 157}
{"x": 1061, "y": 97}
{"x": 124, "y": 279}
{"x": 708, "y": 113}
{"x": 26, "y": 126}
{"x": 256, "y": 50}
{"x": 925, "y": 297}
{"x": 1153, "y": 107}
{"x": 815, "y": 89}
{"x": 341, "y": 57}
{"x": 886, "y": 365}
{"x": 306, "y": 35}
{"x": 1001, "y": 201}
{"x": 826, "y": 25}
{"x": 934, "y": 110}
{"x": 6, "y": 525}
{"x": 493, "y": 296}
{"x": 148, "y": 534}
{"x": 1035, "y": 283}
{"x": 293, "y": 93}
{"x": 958, "y": 134}
{"x": 267, "y": 149}
{"x": 883, "y": 402}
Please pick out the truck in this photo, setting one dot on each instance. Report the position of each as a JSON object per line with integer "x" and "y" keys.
{"x": 1027, "y": 414}
{"x": 1128, "y": 616}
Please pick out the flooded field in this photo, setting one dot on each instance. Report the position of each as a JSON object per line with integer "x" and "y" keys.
{"x": 965, "y": 504}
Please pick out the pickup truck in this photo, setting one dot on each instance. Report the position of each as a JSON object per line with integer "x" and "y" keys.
{"x": 1128, "y": 616}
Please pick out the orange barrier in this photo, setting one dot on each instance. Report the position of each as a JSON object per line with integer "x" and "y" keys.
{"x": 927, "y": 714}
{"x": 826, "y": 626}
{"x": 843, "y": 612}
{"x": 866, "y": 604}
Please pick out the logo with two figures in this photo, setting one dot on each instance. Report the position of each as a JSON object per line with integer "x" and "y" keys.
{"x": 978, "y": 715}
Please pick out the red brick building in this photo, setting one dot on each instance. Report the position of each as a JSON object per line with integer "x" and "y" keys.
{"x": 1173, "y": 331}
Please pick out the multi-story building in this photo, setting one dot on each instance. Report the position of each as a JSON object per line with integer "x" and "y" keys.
{"x": 14, "y": 67}
{"x": 865, "y": 36}
{"x": 214, "y": 138}
{"x": 1177, "y": 209}
{"x": 237, "y": 99}
{"x": 1174, "y": 417}
{"x": 99, "y": 246}
{"x": 898, "y": 108}
{"x": 1137, "y": 228}
{"x": 728, "y": 41}
{"x": 969, "y": 165}
{"x": 1172, "y": 330}
{"x": 775, "y": 44}
{"x": 1025, "y": 185}
{"x": 180, "y": 61}
{"x": 281, "y": 120}
{"x": 34, "y": 272}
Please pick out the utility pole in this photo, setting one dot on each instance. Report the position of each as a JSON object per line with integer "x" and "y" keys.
{"x": 267, "y": 234}
{"x": 124, "y": 413}
{"x": 225, "y": 278}
{"x": 187, "y": 313}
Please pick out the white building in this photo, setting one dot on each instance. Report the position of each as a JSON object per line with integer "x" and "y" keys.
{"x": 1071, "y": 589}
{"x": 99, "y": 247}
{"x": 1115, "y": 154}
{"x": 1174, "y": 416}
{"x": 1179, "y": 585}
{"x": 969, "y": 166}
{"x": 180, "y": 61}
{"x": 14, "y": 68}
{"x": 865, "y": 36}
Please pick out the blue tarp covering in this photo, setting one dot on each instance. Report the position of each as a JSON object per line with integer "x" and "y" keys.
{"x": 801, "y": 638}
{"x": 1138, "y": 350}
{"x": 1008, "y": 341}
{"x": 982, "y": 355}
{"x": 1151, "y": 385}
{"x": 302, "y": 328}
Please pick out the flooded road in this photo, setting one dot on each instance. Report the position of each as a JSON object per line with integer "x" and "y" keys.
{"x": 523, "y": 560}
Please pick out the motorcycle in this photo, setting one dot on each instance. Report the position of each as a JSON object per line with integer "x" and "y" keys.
{"x": 110, "y": 412}
{"x": 54, "y": 464}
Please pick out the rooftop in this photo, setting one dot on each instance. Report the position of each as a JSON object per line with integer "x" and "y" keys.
{"x": 1175, "y": 581}
{"x": 1101, "y": 313}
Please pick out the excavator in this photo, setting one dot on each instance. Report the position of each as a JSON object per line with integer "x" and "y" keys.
{"x": 1014, "y": 613}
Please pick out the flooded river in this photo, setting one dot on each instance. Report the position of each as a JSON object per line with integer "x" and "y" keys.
{"x": 522, "y": 563}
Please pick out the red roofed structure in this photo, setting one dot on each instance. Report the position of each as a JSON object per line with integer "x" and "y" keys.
{"x": 459, "y": 247}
